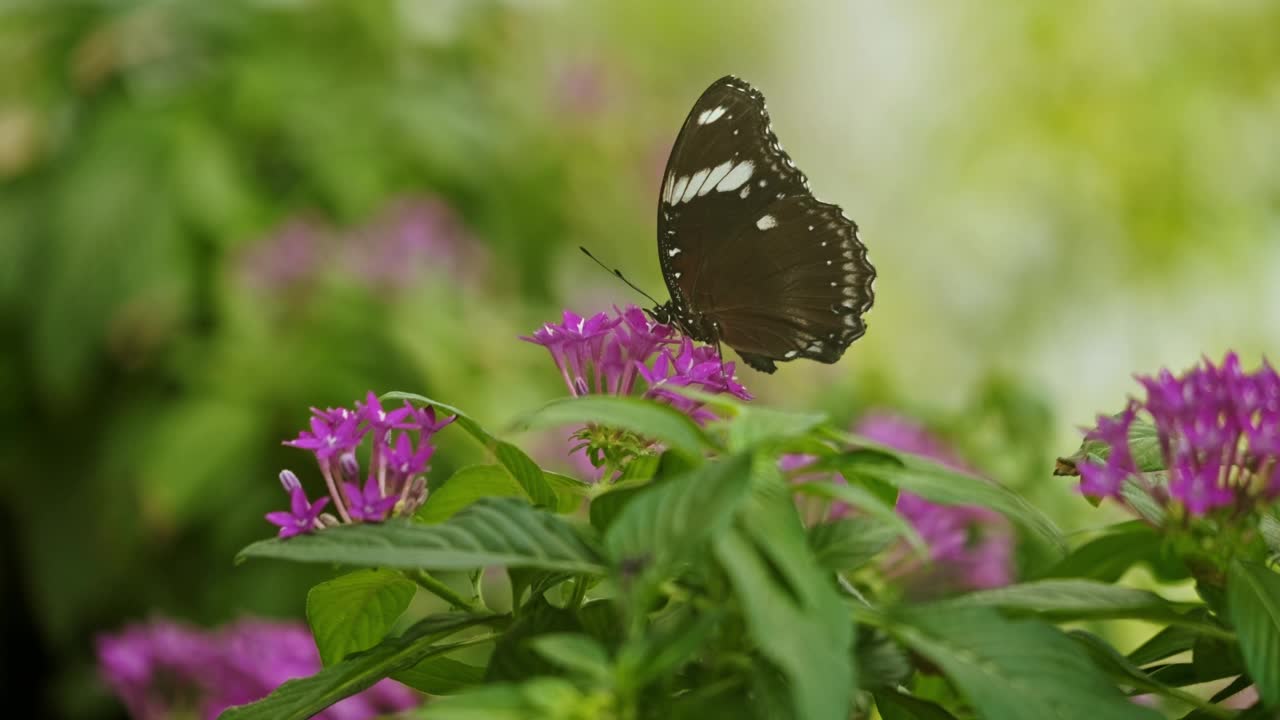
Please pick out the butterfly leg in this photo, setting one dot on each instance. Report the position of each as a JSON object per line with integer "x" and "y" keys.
{"x": 715, "y": 330}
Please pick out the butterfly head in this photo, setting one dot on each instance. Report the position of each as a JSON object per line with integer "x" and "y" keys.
{"x": 697, "y": 326}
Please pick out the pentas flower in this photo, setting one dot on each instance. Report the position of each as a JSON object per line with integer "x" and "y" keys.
{"x": 164, "y": 669}
{"x": 1218, "y": 431}
{"x": 697, "y": 367}
{"x": 400, "y": 449}
{"x": 606, "y": 354}
{"x": 970, "y": 547}
{"x": 304, "y": 515}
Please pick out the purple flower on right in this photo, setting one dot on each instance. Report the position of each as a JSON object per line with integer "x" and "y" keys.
{"x": 970, "y": 547}
{"x": 1218, "y": 429}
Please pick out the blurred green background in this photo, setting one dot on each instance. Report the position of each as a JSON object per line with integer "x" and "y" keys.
{"x": 216, "y": 214}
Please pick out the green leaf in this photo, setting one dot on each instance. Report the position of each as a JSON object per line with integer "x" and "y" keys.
{"x": 1076, "y": 600}
{"x": 440, "y": 676}
{"x": 493, "y": 531}
{"x": 524, "y": 470}
{"x": 672, "y": 641}
{"x": 1166, "y": 643}
{"x": 643, "y": 417}
{"x": 881, "y": 662}
{"x": 513, "y": 656}
{"x": 576, "y": 653}
{"x": 480, "y": 481}
{"x": 1253, "y": 601}
{"x": 849, "y": 543}
{"x": 944, "y": 486}
{"x": 536, "y": 582}
{"x": 602, "y": 620}
{"x": 303, "y": 698}
{"x": 899, "y": 706}
{"x": 641, "y": 467}
{"x": 668, "y": 521}
{"x": 868, "y": 502}
{"x": 1121, "y": 669}
{"x": 542, "y": 698}
{"x": 1269, "y": 528}
{"x": 1012, "y": 669}
{"x": 1139, "y": 497}
{"x": 1110, "y": 556}
{"x": 356, "y": 611}
{"x": 757, "y": 425}
{"x": 792, "y": 610}
{"x": 606, "y": 506}
{"x": 1144, "y": 445}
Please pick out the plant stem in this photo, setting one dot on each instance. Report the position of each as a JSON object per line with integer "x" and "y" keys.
{"x": 443, "y": 591}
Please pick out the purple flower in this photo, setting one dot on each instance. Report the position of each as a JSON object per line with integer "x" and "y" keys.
{"x": 970, "y": 547}
{"x": 1218, "y": 429}
{"x": 697, "y": 367}
{"x": 157, "y": 670}
{"x": 163, "y": 669}
{"x": 607, "y": 354}
{"x": 424, "y": 420}
{"x": 303, "y": 516}
{"x": 288, "y": 257}
{"x": 371, "y": 412}
{"x": 369, "y": 504}
{"x": 397, "y": 461}
{"x": 412, "y": 237}
{"x": 332, "y": 432}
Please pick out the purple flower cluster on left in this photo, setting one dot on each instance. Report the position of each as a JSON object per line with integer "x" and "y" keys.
{"x": 394, "y": 483}
{"x": 164, "y": 669}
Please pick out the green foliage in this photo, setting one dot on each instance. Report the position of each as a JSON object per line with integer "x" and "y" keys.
{"x": 1012, "y": 669}
{"x": 354, "y": 612}
{"x": 475, "y": 482}
{"x": 496, "y": 531}
{"x": 523, "y": 470}
{"x": 303, "y": 698}
{"x": 651, "y": 420}
{"x": 693, "y": 588}
{"x": 1253, "y": 595}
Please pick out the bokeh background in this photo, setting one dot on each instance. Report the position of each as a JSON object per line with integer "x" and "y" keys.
{"x": 216, "y": 214}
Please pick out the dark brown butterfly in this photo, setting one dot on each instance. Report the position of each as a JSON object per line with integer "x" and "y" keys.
{"x": 751, "y": 258}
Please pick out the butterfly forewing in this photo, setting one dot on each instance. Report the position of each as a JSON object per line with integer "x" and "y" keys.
{"x": 744, "y": 244}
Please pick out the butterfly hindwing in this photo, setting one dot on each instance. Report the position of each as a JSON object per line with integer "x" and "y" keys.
{"x": 749, "y": 256}
{"x": 807, "y": 283}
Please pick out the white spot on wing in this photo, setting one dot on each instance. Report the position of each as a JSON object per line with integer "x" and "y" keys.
{"x": 717, "y": 174}
{"x": 745, "y": 189}
{"x": 666, "y": 188}
{"x": 676, "y": 192}
{"x": 766, "y": 222}
{"x": 695, "y": 184}
{"x": 709, "y": 116}
{"x": 737, "y": 176}
{"x": 673, "y": 252}
{"x": 790, "y": 354}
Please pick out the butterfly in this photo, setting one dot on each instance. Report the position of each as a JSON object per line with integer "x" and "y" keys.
{"x": 751, "y": 258}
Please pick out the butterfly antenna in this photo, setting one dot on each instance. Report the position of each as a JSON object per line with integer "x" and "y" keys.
{"x": 618, "y": 274}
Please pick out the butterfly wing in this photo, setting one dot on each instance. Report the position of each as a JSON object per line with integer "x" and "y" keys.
{"x": 743, "y": 242}
{"x": 725, "y": 148}
{"x": 795, "y": 285}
